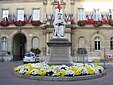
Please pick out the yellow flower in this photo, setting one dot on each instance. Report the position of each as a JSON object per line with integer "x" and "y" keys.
{"x": 42, "y": 73}
{"x": 77, "y": 73}
{"x": 27, "y": 64}
{"x": 60, "y": 74}
{"x": 96, "y": 65}
{"x": 95, "y": 60}
{"x": 27, "y": 72}
{"x": 73, "y": 69}
{"x": 14, "y": 69}
{"x": 90, "y": 71}
{"x": 52, "y": 66}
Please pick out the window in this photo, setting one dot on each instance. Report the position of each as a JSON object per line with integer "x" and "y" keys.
{"x": 5, "y": 13}
{"x": 35, "y": 42}
{"x": 81, "y": 14}
{"x": 96, "y": 15}
{"x": 36, "y": 14}
{"x": 4, "y": 44}
{"x": 20, "y": 14}
{"x": 97, "y": 43}
{"x": 111, "y": 43}
{"x": 110, "y": 13}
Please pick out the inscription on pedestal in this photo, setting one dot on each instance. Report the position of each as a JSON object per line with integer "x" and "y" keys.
{"x": 59, "y": 51}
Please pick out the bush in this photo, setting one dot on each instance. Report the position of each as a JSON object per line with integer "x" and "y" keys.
{"x": 81, "y": 51}
{"x": 95, "y": 61}
{"x": 35, "y": 50}
{"x": 97, "y": 23}
{"x": 81, "y": 23}
{"x": 19, "y": 23}
{"x": 36, "y": 23}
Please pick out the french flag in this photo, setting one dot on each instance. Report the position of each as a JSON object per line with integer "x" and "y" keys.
{"x": 59, "y": 5}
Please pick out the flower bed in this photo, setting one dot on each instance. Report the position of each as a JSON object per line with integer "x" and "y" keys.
{"x": 97, "y": 23}
{"x": 43, "y": 69}
{"x": 91, "y": 22}
{"x": 111, "y": 23}
{"x": 82, "y": 23}
{"x": 4, "y": 23}
{"x": 19, "y": 23}
{"x": 36, "y": 23}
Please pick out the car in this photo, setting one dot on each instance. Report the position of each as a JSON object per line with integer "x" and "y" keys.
{"x": 30, "y": 57}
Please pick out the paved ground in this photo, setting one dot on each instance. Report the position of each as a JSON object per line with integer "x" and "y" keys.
{"x": 7, "y": 77}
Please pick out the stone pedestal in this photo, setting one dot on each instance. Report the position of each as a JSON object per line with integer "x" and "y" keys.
{"x": 59, "y": 51}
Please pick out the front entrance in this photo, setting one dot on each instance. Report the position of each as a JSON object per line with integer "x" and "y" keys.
{"x": 19, "y": 46}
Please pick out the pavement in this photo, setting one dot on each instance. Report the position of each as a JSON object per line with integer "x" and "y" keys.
{"x": 8, "y": 78}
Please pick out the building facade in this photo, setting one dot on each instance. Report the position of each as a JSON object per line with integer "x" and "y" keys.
{"x": 26, "y": 24}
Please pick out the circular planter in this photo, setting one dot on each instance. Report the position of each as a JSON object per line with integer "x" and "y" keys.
{"x": 47, "y": 78}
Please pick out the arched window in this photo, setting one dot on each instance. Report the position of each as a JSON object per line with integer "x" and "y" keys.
{"x": 35, "y": 42}
{"x": 4, "y": 44}
{"x": 97, "y": 43}
{"x": 111, "y": 43}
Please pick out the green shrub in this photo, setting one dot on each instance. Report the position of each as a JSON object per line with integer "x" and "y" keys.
{"x": 35, "y": 50}
{"x": 82, "y": 51}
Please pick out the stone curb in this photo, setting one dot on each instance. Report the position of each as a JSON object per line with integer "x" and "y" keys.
{"x": 46, "y": 78}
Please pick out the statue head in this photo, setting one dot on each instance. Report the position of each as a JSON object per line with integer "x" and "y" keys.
{"x": 59, "y": 15}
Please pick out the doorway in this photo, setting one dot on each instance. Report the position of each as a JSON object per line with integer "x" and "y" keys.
{"x": 19, "y": 46}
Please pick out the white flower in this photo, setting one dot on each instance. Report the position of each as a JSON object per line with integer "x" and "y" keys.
{"x": 69, "y": 72}
{"x": 57, "y": 69}
{"x": 23, "y": 69}
{"x": 34, "y": 72}
{"x": 100, "y": 68}
{"x": 64, "y": 67}
{"x": 19, "y": 67}
{"x": 96, "y": 71}
{"x": 82, "y": 70}
{"x": 46, "y": 67}
{"x": 78, "y": 64}
{"x": 36, "y": 65}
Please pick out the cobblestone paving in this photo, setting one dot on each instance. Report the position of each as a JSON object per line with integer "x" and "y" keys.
{"x": 8, "y": 78}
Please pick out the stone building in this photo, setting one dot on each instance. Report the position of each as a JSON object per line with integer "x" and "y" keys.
{"x": 89, "y": 25}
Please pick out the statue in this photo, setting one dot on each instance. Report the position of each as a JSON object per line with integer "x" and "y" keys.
{"x": 59, "y": 27}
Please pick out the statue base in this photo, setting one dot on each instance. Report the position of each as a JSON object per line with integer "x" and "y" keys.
{"x": 59, "y": 51}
